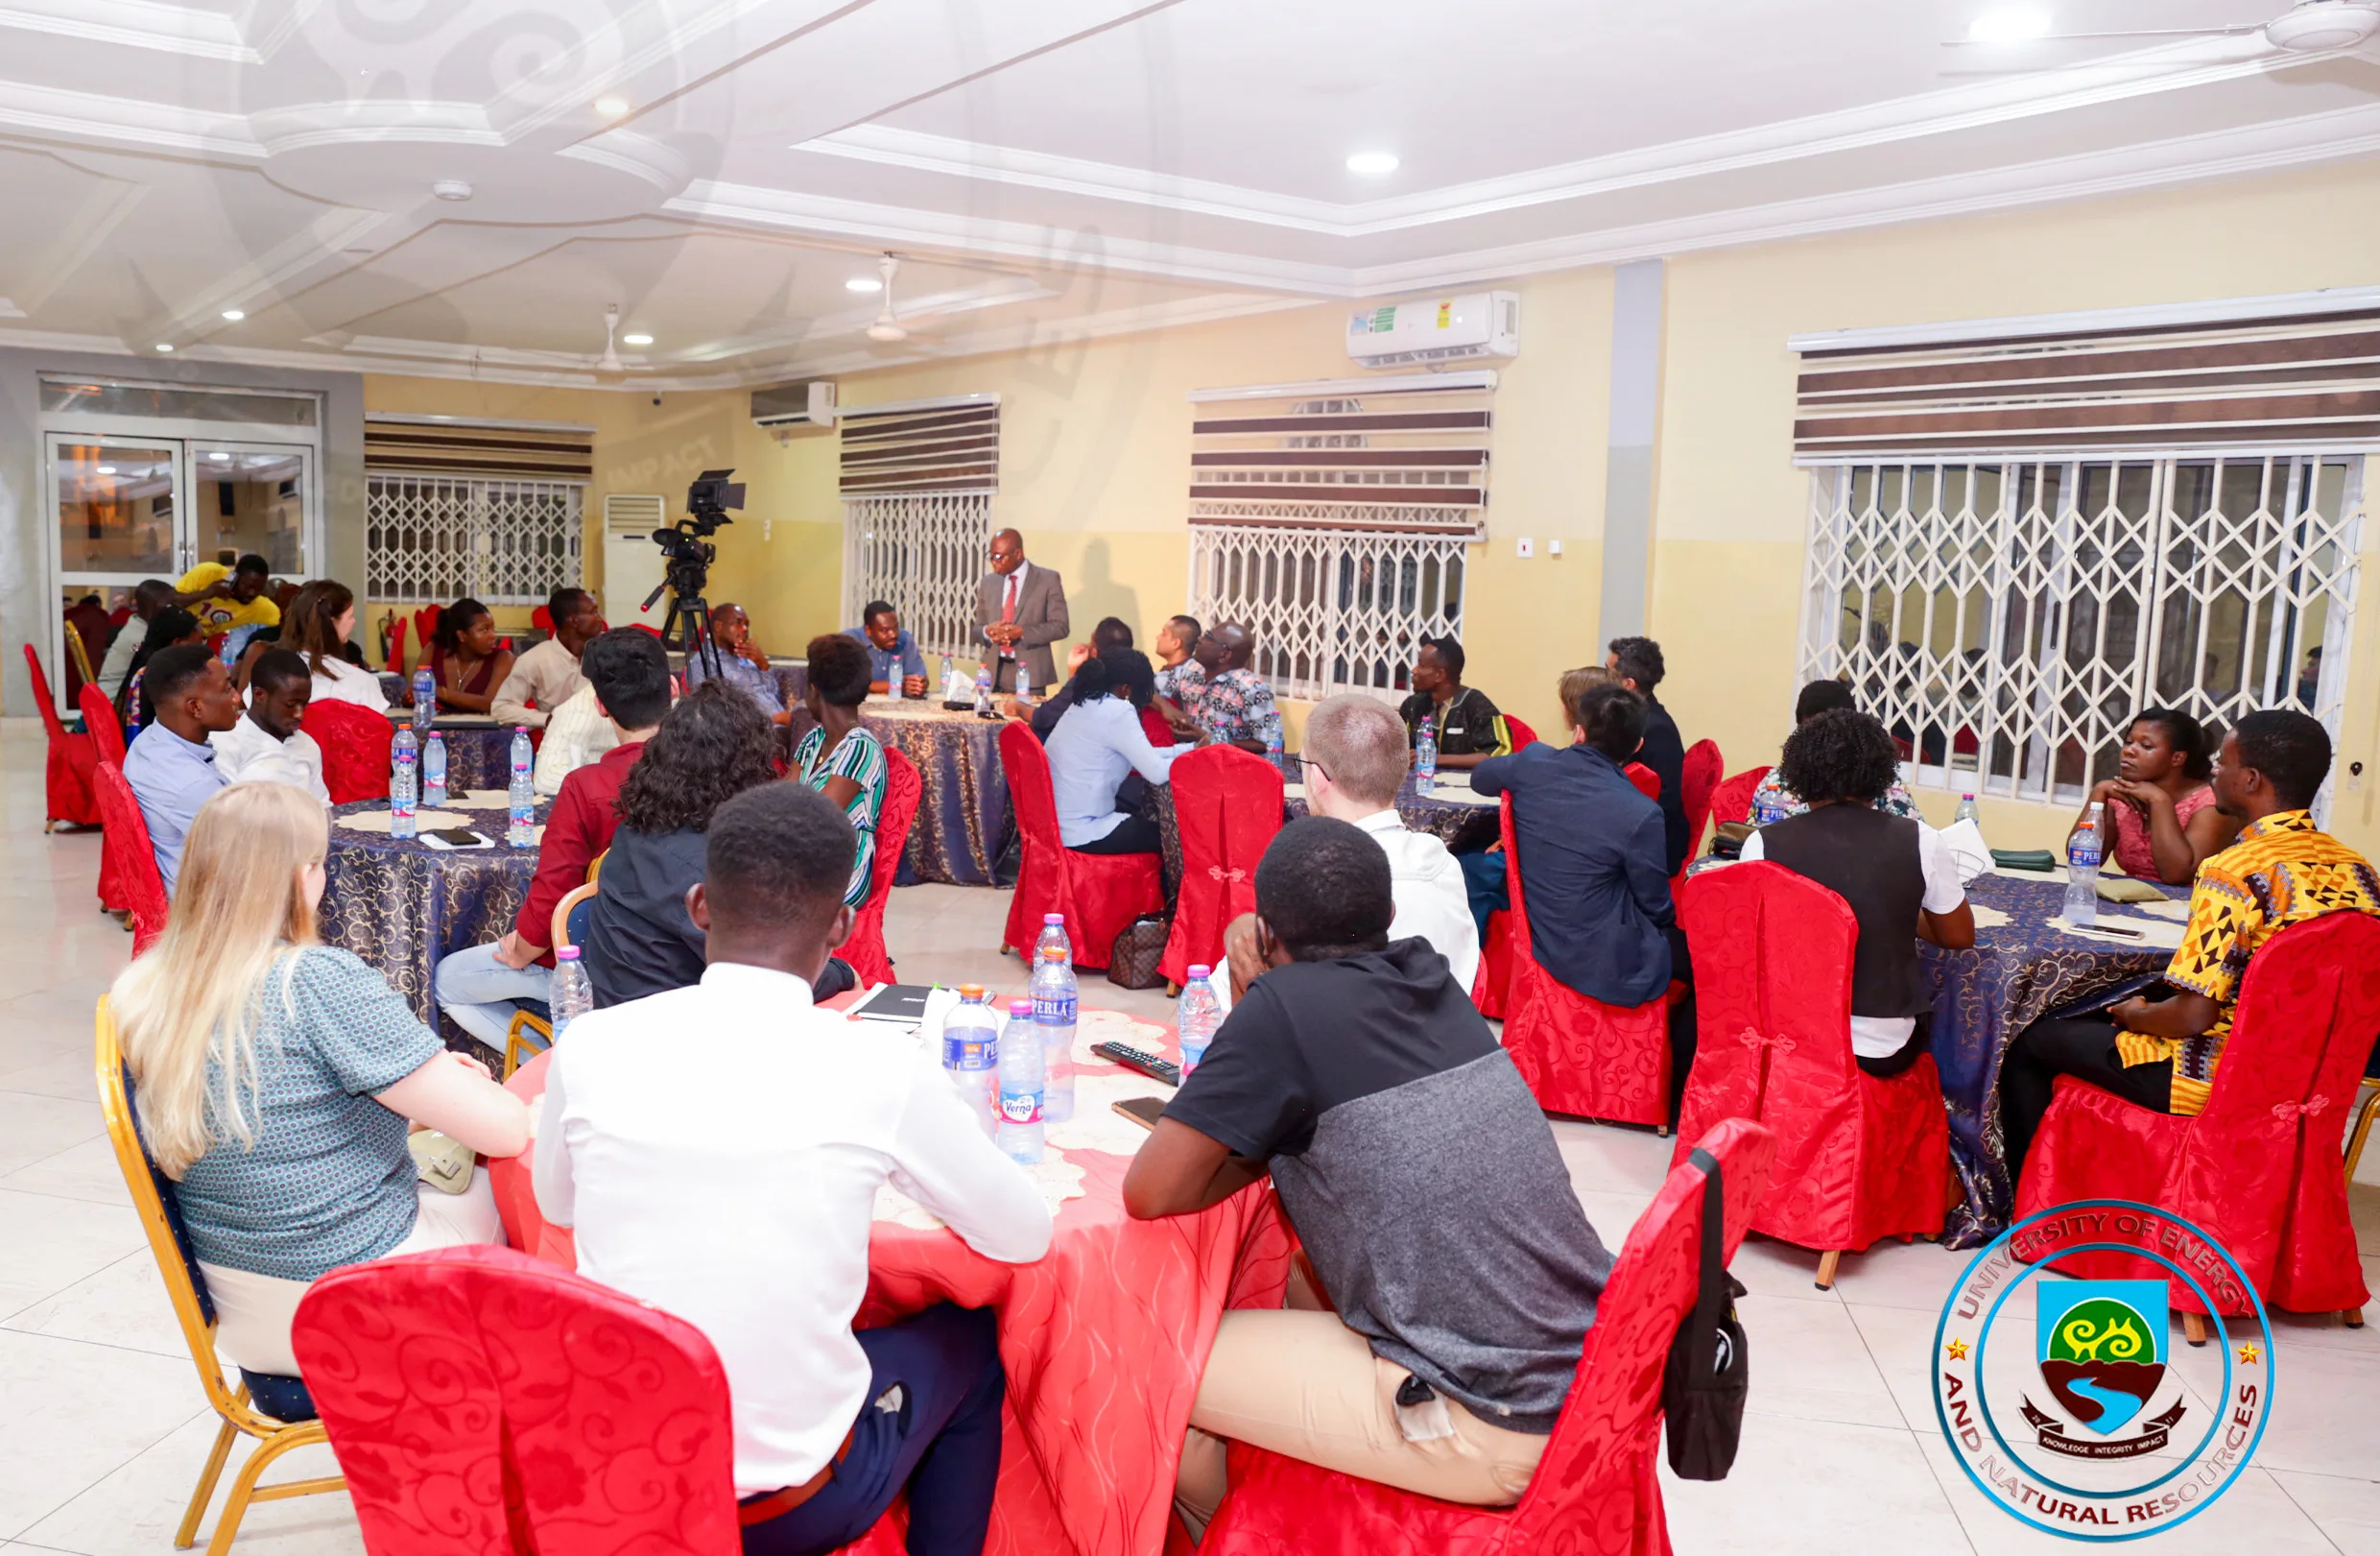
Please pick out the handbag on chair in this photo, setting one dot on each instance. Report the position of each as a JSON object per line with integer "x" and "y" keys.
{"x": 1708, "y": 1373}
{"x": 1139, "y": 950}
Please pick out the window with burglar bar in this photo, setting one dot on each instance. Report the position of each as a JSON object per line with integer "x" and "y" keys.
{"x": 922, "y": 554}
{"x": 433, "y": 539}
{"x": 1332, "y": 610}
{"x": 2007, "y": 619}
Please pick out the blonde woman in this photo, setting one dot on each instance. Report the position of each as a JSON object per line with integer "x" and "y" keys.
{"x": 274, "y": 1078}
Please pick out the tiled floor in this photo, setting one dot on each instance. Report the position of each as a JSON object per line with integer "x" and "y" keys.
{"x": 103, "y": 1427}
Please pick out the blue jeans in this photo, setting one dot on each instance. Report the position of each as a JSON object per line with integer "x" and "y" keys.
{"x": 1482, "y": 882}
{"x": 478, "y": 991}
{"x": 942, "y": 1442}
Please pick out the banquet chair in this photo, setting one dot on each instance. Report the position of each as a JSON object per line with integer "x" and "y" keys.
{"x": 864, "y": 951}
{"x": 2259, "y": 1171}
{"x": 1648, "y": 782}
{"x": 531, "y": 1029}
{"x": 67, "y": 777}
{"x": 425, "y": 626}
{"x": 1596, "y": 1489}
{"x": 101, "y": 724}
{"x": 1696, "y": 784}
{"x": 2367, "y": 1103}
{"x": 396, "y": 645}
{"x": 1579, "y": 1055}
{"x": 129, "y": 855}
{"x": 1228, "y": 807}
{"x": 1517, "y": 733}
{"x": 355, "y": 744}
{"x": 1857, "y": 1157}
{"x": 1732, "y": 800}
{"x": 1099, "y": 894}
{"x": 273, "y": 1409}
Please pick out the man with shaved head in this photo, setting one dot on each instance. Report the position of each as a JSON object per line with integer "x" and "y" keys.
{"x": 1233, "y": 705}
{"x": 1020, "y": 609}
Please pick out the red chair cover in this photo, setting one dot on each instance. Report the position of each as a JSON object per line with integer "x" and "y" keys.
{"x": 355, "y": 744}
{"x": 542, "y": 619}
{"x": 1152, "y": 725}
{"x": 1595, "y": 1492}
{"x": 1732, "y": 799}
{"x": 130, "y": 854}
{"x": 1518, "y": 733}
{"x": 1227, "y": 805}
{"x": 1492, "y": 986}
{"x": 1580, "y": 1055}
{"x": 396, "y": 646}
{"x": 1857, "y": 1157}
{"x": 864, "y": 949}
{"x": 1099, "y": 894}
{"x": 67, "y": 779}
{"x": 2259, "y": 1170}
{"x": 1696, "y": 783}
{"x": 425, "y": 626}
{"x": 106, "y": 741}
{"x": 481, "y": 1400}
{"x": 1648, "y": 782}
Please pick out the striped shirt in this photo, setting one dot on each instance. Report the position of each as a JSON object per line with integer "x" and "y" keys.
{"x": 859, "y": 757}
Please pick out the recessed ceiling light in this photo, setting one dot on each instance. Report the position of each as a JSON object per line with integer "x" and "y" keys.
{"x": 636, "y": 340}
{"x": 220, "y": 459}
{"x": 611, "y": 107}
{"x": 107, "y": 470}
{"x": 1373, "y": 163}
{"x": 165, "y": 346}
{"x": 451, "y": 189}
{"x": 2010, "y": 24}
{"x": 234, "y": 315}
{"x": 862, "y": 284}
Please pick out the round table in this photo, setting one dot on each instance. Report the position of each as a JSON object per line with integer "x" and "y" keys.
{"x": 1450, "y": 812}
{"x": 402, "y": 905}
{"x": 962, "y": 819}
{"x": 479, "y": 750}
{"x": 1104, "y": 1338}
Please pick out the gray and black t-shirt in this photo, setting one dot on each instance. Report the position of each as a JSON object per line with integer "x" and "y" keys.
{"x": 1417, "y": 1170}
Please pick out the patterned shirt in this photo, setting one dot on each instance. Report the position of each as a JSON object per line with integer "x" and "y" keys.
{"x": 1176, "y": 682}
{"x": 2282, "y": 870}
{"x": 1784, "y": 802}
{"x": 860, "y": 757}
{"x": 1233, "y": 705}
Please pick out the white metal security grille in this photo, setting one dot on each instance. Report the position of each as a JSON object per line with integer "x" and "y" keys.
{"x": 2007, "y": 619}
{"x": 924, "y": 555}
{"x": 433, "y": 539}
{"x": 1332, "y": 610}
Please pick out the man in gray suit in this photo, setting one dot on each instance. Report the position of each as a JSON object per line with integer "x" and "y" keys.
{"x": 1020, "y": 611}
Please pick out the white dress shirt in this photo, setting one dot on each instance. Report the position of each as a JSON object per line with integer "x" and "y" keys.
{"x": 547, "y": 675}
{"x": 1094, "y": 745}
{"x": 739, "y": 1193}
{"x": 247, "y": 754}
{"x": 576, "y": 734}
{"x": 339, "y": 681}
{"x": 1427, "y": 885}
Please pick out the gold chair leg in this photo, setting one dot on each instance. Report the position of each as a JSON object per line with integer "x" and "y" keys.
{"x": 1826, "y": 1262}
{"x": 2363, "y": 1128}
{"x": 187, "y": 1534}
{"x": 2193, "y": 1327}
{"x": 244, "y": 1487}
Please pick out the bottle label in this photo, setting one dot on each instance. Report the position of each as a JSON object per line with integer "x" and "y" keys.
{"x": 1020, "y": 1107}
{"x": 964, "y": 1050}
{"x": 1053, "y": 1010}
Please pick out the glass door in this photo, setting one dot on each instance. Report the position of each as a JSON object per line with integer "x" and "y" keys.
{"x": 251, "y": 499}
{"x": 121, "y": 517}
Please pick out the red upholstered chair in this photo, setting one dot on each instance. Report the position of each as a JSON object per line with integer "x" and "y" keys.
{"x": 1518, "y": 733}
{"x": 1648, "y": 782}
{"x": 1227, "y": 805}
{"x": 1857, "y": 1157}
{"x": 1580, "y": 1055}
{"x": 396, "y": 646}
{"x": 1698, "y": 779}
{"x": 355, "y": 744}
{"x": 1732, "y": 799}
{"x": 2259, "y": 1170}
{"x": 71, "y": 758}
{"x": 1100, "y": 894}
{"x": 425, "y": 625}
{"x": 864, "y": 949}
{"x": 129, "y": 855}
{"x": 100, "y": 723}
{"x": 1596, "y": 1491}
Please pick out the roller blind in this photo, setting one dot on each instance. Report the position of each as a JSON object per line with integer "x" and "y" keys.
{"x": 495, "y": 450}
{"x": 1351, "y": 456}
{"x": 920, "y": 446}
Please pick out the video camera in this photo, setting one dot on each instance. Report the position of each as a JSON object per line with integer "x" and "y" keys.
{"x": 689, "y": 555}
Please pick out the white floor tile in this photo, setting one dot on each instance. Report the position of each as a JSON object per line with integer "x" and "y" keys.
{"x": 1814, "y": 1486}
{"x": 123, "y": 1304}
{"x": 88, "y": 1171}
{"x": 134, "y": 1510}
{"x": 51, "y": 1243}
{"x": 71, "y": 1413}
{"x": 1893, "y": 1274}
{"x": 1810, "y": 1364}
{"x": 2347, "y": 1510}
{"x": 32, "y": 1126}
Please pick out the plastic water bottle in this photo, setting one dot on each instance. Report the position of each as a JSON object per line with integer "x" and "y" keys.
{"x": 1272, "y": 746}
{"x": 971, "y": 1053}
{"x": 523, "y": 828}
{"x": 1196, "y": 1018}
{"x": 1024, "y": 686}
{"x": 434, "y": 771}
{"x": 404, "y": 755}
{"x": 2082, "y": 873}
{"x": 1055, "y": 994}
{"x": 949, "y": 684}
{"x": 1020, "y": 1133}
{"x": 1425, "y": 755}
{"x": 1966, "y": 811}
{"x": 571, "y": 995}
{"x": 425, "y": 698}
{"x": 1054, "y": 933}
{"x": 983, "y": 690}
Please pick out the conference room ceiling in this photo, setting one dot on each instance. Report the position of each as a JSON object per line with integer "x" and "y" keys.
{"x": 1047, "y": 169}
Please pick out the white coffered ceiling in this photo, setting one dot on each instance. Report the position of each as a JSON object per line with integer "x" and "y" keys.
{"x": 1047, "y": 169}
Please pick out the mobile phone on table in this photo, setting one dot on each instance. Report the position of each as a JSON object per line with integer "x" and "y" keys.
{"x": 1142, "y": 1110}
{"x": 457, "y": 837}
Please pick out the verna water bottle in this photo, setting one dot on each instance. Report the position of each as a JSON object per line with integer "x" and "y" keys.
{"x": 1020, "y": 1129}
{"x": 1966, "y": 811}
{"x": 1425, "y": 754}
{"x": 571, "y": 995}
{"x": 523, "y": 792}
{"x": 1196, "y": 1018}
{"x": 404, "y": 757}
{"x": 2082, "y": 873}
{"x": 425, "y": 699}
{"x": 971, "y": 1052}
{"x": 1055, "y": 997}
{"x": 434, "y": 771}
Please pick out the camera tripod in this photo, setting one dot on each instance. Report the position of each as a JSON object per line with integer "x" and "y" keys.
{"x": 689, "y": 618}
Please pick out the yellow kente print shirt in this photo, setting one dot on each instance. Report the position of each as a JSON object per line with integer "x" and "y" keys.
{"x": 2283, "y": 869}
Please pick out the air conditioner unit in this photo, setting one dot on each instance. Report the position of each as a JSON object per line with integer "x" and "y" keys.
{"x": 632, "y": 561}
{"x": 1459, "y": 329}
{"x": 795, "y": 407}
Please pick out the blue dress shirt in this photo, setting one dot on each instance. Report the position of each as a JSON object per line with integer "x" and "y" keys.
{"x": 889, "y": 664}
{"x": 760, "y": 685}
{"x": 171, "y": 777}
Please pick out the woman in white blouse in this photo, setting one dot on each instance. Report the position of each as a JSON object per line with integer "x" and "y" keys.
{"x": 1095, "y": 744}
{"x": 316, "y": 624}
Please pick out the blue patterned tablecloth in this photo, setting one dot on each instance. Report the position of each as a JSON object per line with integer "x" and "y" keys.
{"x": 479, "y": 750}
{"x": 962, "y": 822}
{"x": 1458, "y": 824}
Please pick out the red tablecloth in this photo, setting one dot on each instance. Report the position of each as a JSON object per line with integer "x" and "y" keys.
{"x": 1103, "y": 1339}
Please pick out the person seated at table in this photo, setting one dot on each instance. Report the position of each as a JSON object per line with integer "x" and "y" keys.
{"x": 1420, "y": 1176}
{"x": 741, "y": 663}
{"x": 840, "y": 757}
{"x": 1774, "y": 796}
{"x": 2159, "y": 817}
{"x": 126, "y": 640}
{"x": 222, "y": 597}
{"x": 466, "y": 657}
{"x": 1465, "y": 724}
{"x": 1110, "y": 634}
{"x": 576, "y": 736}
{"x": 320, "y": 621}
{"x": 2160, "y": 1048}
{"x": 1177, "y": 640}
{"x": 171, "y": 767}
{"x": 267, "y": 746}
{"x": 1638, "y": 663}
{"x": 548, "y": 675}
{"x": 1898, "y": 878}
{"x": 894, "y": 665}
{"x": 1233, "y": 703}
{"x": 629, "y": 683}
{"x": 1096, "y": 746}
{"x": 170, "y": 628}
{"x": 274, "y": 1078}
{"x": 737, "y": 1193}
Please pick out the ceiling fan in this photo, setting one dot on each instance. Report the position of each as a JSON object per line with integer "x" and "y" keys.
{"x": 2308, "y": 27}
{"x": 610, "y": 362}
{"x": 887, "y": 326}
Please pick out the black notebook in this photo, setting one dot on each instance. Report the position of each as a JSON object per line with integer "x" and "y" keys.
{"x": 902, "y": 1003}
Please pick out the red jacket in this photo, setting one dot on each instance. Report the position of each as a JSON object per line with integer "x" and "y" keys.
{"x": 578, "y": 829}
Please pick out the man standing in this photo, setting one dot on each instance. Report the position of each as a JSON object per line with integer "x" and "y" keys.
{"x": 267, "y": 746}
{"x": 1464, "y": 722}
{"x": 222, "y": 597}
{"x": 150, "y": 596}
{"x": 1637, "y": 662}
{"x": 170, "y": 766}
{"x": 548, "y": 675}
{"x": 893, "y": 661}
{"x": 1233, "y": 704}
{"x": 741, "y": 663}
{"x": 1020, "y": 611}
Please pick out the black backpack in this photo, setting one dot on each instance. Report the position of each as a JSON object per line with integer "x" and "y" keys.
{"x": 1704, "y": 1386}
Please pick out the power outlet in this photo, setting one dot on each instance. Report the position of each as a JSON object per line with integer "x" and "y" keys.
{"x": 1528, "y": 548}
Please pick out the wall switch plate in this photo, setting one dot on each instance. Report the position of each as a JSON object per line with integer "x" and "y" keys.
{"x": 1528, "y": 548}
{"x": 1553, "y": 548}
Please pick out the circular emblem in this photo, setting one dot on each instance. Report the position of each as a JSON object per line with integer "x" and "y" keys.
{"x": 2066, "y": 1405}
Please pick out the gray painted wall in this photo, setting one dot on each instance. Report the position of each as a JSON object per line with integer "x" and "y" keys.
{"x": 1635, "y": 419}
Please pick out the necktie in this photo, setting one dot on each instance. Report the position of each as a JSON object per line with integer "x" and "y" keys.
{"x": 1008, "y": 613}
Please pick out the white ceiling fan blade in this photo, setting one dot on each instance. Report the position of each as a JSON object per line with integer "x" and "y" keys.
{"x": 888, "y": 324}
{"x": 610, "y": 361}
{"x": 2070, "y": 38}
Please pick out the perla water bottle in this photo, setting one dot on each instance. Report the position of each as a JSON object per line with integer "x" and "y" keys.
{"x": 1019, "y": 1131}
{"x": 425, "y": 698}
{"x": 404, "y": 757}
{"x": 523, "y": 792}
{"x": 1055, "y": 994}
{"x": 570, "y": 995}
{"x": 1196, "y": 1018}
{"x": 434, "y": 771}
{"x": 983, "y": 690}
{"x": 971, "y": 1052}
{"x": 1766, "y": 811}
{"x": 1054, "y": 934}
{"x": 2082, "y": 873}
{"x": 1425, "y": 754}
{"x": 1967, "y": 810}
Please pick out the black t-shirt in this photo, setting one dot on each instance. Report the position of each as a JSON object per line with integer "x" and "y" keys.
{"x": 640, "y": 940}
{"x": 1417, "y": 1169}
{"x": 1470, "y": 726}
